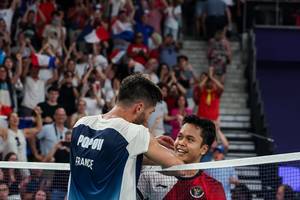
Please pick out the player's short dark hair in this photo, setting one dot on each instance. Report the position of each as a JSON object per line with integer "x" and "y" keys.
{"x": 137, "y": 87}
{"x": 208, "y": 128}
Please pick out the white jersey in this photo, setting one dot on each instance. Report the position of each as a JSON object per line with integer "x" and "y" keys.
{"x": 104, "y": 158}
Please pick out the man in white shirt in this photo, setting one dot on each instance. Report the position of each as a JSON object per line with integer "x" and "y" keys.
{"x": 34, "y": 90}
{"x": 7, "y": 14}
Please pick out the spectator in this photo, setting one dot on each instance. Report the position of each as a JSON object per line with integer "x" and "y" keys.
{"x": 209, "y": 94}
{"x": 47, "y": 7}
{"x": 185, "y": 74}
{"x": 111, "y": 94}
{"x": 4, "y": 190}
{"x": 40, "y": 195}
{"x": 3, "y": 139}
{"x": 180, "y": 111}
{"x": 55, "y": 33}
{"x": 143, "y": 28}
{"x": 70, "y": 64}
{"x": 175, "y": 89}
{"x": 219, "y": 54}
{"x": 68, "y": 94}
{"x": 30, "y": 24}
{"x": 199, "y": 12}
{"x": 36, "y": 181}
{"x": 241, "y": 191}
{"x": 173, "y": 18}
{"x": 6, "y": 92}
{"x": 151, "y": 69}
{"x": 163, "y": 73}
{"x": 161, "y": 114}
{"x": 50, "y": 134}
{"x": 122, "y": 27}
{"x": 14, "y": 71}
{"x": 100, "y": 62}
{"x": 216, "y": 16}
{"x": 81, "y": 112}
{"x": 16, "y": 138}
{"x": 5, "y": 41}
{"x": 13, "y": 177}
{"x": 285, "y": 192}
{"x": 7, "y": 14}
{"x": 226, "y": 176}
{"x": 155, "y": 14}
{"x": 34, "y": 90}
{"x": 22, "y": 46}
{"x": 1, "y": 174}
{"x": 91, "y": 92}
{"x": 169, "y": 51}
{"x": 49, "y": 106}
{"x": 209, "y": 98}
{"x": 77, "y": 15}
{"x": 60, "y": 153}
{"x": 118, "y": 5}
{"x": 138, "y": 51}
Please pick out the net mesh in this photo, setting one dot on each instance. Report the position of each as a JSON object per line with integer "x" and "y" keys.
{"x": 252, "y": 178}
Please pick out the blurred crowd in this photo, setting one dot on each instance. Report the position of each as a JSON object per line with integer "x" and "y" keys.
{"x": 62, "y": 60}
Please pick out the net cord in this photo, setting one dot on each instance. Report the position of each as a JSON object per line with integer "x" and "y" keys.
{"x": 279, "y": 158}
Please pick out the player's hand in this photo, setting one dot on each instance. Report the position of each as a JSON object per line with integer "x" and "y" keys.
{"x": 166, "y": 141}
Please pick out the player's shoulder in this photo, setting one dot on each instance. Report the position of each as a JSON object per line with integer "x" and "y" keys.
{"x": 97, "y": 122}
{"x": 210, "y": 180}
{"x": 206, "y": 176}
{"x": 86, "y": 120}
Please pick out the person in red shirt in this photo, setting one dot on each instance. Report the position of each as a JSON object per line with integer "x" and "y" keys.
{"x": 138, "y": 51}
{"x": 192, "y": 143}
{"x": 207, "y": 95}
{"x": 211, "y": 90}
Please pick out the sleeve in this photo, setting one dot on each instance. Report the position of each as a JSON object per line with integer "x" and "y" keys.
{"x": 215, "y": 190}
{"x": 139, "y": 143}
{"x": 42, "y": 133}
{"x": 218, "y": 192}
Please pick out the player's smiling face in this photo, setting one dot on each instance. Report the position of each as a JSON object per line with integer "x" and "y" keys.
{"x": 188, "y": 144}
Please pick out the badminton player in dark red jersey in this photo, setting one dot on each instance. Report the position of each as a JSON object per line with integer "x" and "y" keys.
{"x": 192, "y": 142}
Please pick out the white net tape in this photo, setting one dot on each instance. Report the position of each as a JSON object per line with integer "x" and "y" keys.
{"x": 259, "y": 178}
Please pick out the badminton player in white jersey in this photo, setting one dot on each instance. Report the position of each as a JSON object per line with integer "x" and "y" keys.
{"x": 107, "y": 150}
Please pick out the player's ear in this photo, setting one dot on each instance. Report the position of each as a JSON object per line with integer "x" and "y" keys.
{"x": 139, "y": 107}
{"x": 204, "y": 149}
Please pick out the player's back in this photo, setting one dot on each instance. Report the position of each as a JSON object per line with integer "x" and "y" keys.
{"x": 103, "y": 158}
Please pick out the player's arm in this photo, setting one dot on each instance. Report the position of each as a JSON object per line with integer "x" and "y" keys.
{"x": 160, "y": 155}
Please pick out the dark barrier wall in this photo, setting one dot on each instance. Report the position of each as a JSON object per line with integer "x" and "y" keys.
{"x": 278, "y": 72}
{"x": 275, "y": 44}
{"x": 280, "y": 89}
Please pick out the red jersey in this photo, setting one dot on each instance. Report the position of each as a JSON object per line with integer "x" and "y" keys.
{"x": 155, "y": 186}
{"x": 134, "y": 51}
{"x": 209, "y": 104}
